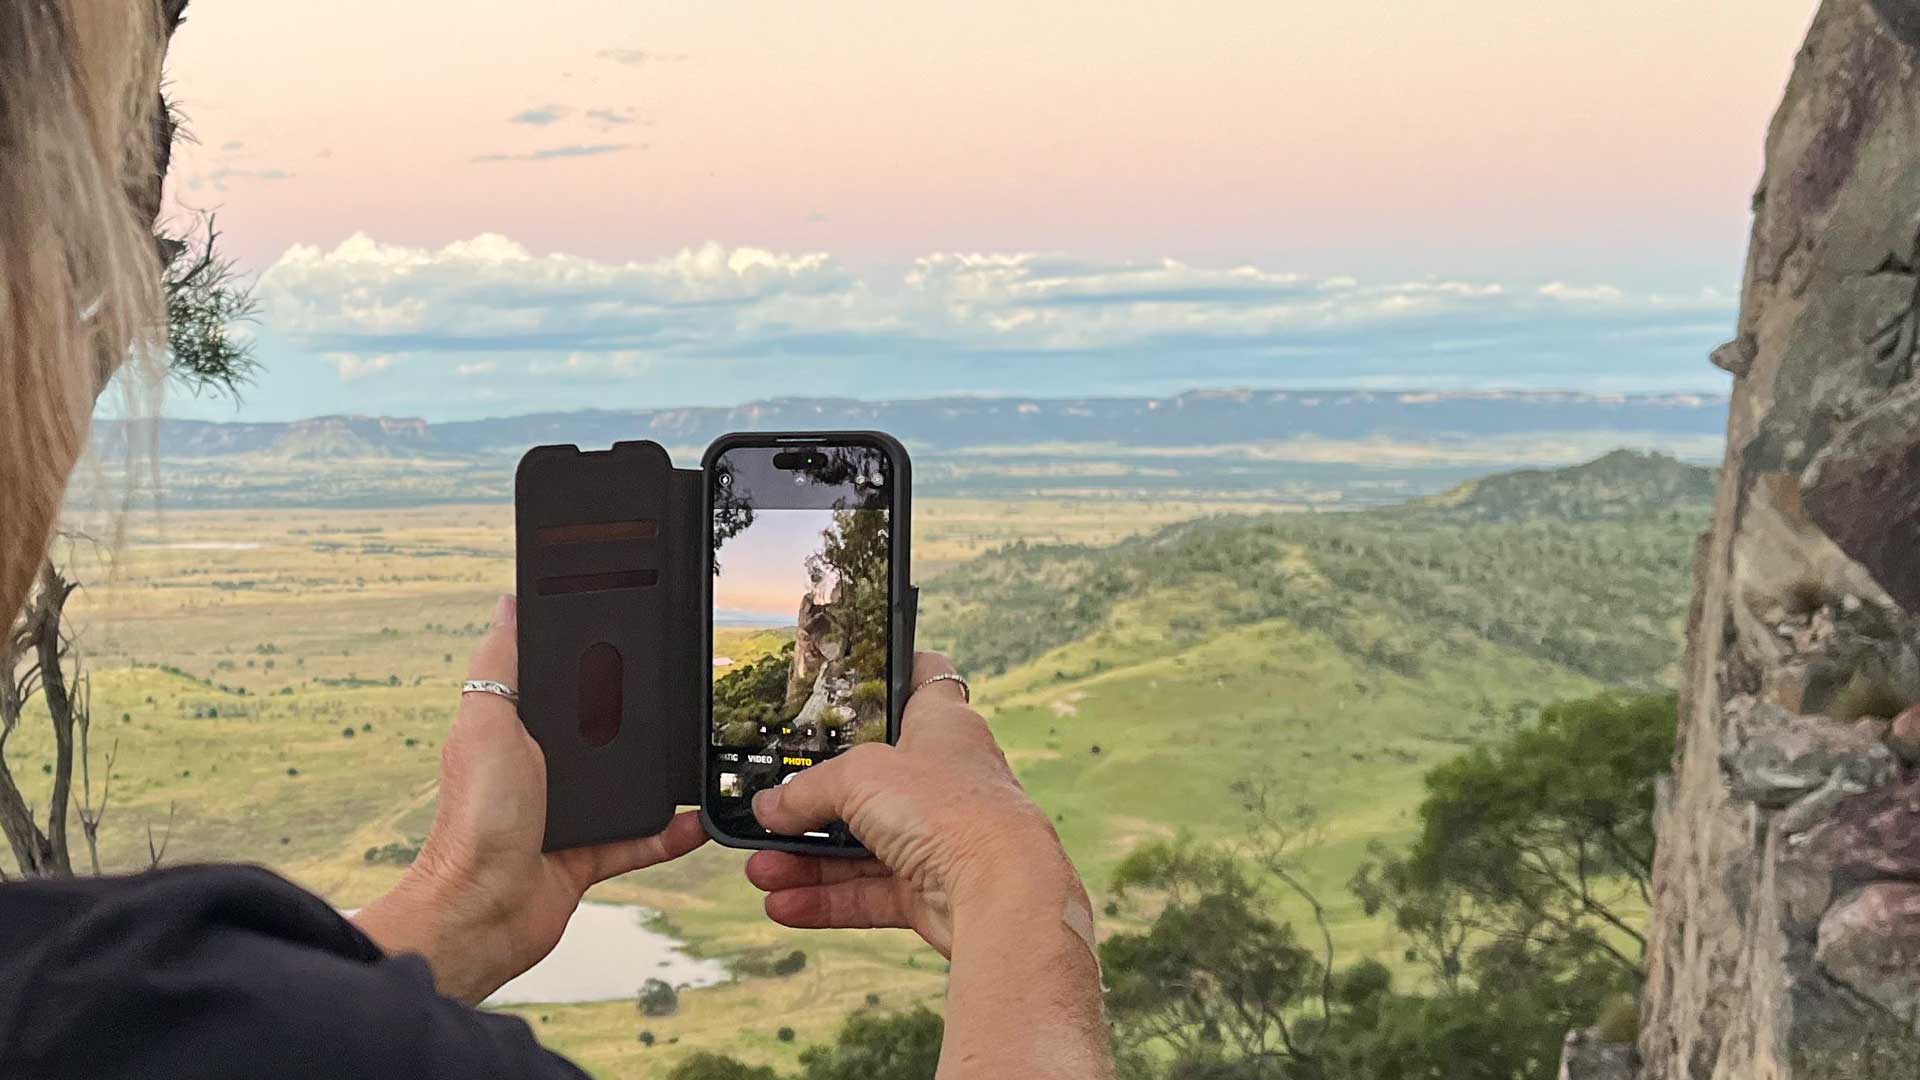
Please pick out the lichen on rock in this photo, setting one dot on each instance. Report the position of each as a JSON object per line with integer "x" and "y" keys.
{"x": 1773, "y": 757}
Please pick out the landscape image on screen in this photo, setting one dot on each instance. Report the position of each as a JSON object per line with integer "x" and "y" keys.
{"x": 806, "y": 591}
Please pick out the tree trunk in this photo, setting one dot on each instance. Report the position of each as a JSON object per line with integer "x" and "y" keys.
{"x": 36, "y": 643}
{"x": 20, "y": 665}
{"x": 23, "y": 836}
{"x": 52, "y": 602}
{"x": 1772, "y": 957}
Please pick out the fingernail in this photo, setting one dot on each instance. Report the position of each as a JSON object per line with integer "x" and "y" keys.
{"x": 506, "y": 610}
{"x": 765, "y": 803}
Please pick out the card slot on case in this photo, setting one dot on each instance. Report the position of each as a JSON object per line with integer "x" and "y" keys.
{"x": 591, "y": 531}
{"x": 587, "y": 560}
{"x": 606, "y": 582}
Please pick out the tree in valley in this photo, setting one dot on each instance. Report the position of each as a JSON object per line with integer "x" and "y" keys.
{"x": 1216, "y": 982}
{"x": 658, "y": 998}
{"x": 869, "y": 1046}
{"x": 1515, "y": 897}
{"x": 709, "y": 1066}
{"x": 879, "y": 1046}
{"x": 1538, "y": 846}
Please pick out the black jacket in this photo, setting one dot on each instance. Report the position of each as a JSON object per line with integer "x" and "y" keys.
{"x": 227, "y": 972}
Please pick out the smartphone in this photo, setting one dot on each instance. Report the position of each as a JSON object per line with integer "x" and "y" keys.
{"x": 808, "y": 637}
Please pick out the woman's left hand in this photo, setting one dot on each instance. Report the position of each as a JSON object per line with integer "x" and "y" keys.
{"x": 483, "y": 903}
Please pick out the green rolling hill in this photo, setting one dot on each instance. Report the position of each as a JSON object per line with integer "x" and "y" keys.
{"x": 1336, "y": 656}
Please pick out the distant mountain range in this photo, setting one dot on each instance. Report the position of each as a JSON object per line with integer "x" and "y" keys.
{"x": 1210, "y": 418}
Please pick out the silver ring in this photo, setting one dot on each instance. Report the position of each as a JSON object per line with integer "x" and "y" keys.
{"x": 966, "y": 691}
{"x": 488, "y": 686}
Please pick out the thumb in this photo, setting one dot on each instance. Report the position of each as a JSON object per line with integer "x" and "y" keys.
{"x": 486, "y": 725}
{"x": 497, "y": 657}
{"x": 682, "y": 835}
{"x": 826, "y": 793}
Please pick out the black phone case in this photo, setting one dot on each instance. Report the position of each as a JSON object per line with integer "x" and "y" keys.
{"x": 610, "y": 568}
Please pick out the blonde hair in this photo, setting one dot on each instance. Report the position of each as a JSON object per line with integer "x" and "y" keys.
{"x": 79, "y": 271}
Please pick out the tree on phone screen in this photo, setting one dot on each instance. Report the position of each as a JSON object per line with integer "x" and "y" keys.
{"x": 854, "y": 558}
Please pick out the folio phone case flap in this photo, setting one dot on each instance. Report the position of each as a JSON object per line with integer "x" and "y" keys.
{"x": 607, "y": 563}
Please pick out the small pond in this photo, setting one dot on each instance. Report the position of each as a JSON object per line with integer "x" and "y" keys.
{"x": 606, "y": 953}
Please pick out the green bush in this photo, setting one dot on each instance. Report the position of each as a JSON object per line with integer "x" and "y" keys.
{"x": 1619, "y": 1020}
{"x": 879, "y": 1046}
{"x": 760, "y": 965}
{"x": 870, "y": 697}
{"x": 399, "y": 853}
{"x": 705, "y": 1066}
{"x": 658, "y": 998}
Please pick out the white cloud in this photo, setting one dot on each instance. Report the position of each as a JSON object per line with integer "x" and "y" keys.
{"x": 353, "y": 368}
{"x": 592, "y": 365}
{"x": 640, "y": 57}
{"x": 490, "y": 292}
{"x": 484, "y": 367}
{"x": 1598, "y": 294}
{"x": 567, "y": 315}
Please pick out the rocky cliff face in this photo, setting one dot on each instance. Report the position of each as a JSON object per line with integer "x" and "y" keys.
{"x": 1785, "y": 937}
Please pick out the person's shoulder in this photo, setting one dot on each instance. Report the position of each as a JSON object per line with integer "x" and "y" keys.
{"x": 159, "y": 910}
{"x": 228, "y": 971}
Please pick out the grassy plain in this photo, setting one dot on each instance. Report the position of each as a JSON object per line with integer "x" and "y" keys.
{"x": 273, "y": 686}
{"x": 1297, "y": 472}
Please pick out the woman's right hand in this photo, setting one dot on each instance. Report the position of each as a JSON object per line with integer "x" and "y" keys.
{"x": 941, "y": 813}
{"x": 961, "y": 855}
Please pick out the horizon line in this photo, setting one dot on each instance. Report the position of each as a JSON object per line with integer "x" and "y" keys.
{"x": 1649, "y": 395}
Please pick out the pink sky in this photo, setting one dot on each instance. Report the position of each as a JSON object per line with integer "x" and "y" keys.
{"x": 1504, "y": 137}
{"x": 465, "y": 209}
{"x": 764, "y": 569}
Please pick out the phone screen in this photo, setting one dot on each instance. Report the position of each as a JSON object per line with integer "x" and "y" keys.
{"x": 802, "y": 554}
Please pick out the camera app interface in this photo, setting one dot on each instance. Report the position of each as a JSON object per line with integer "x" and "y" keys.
{"x": 801, "y": 597}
